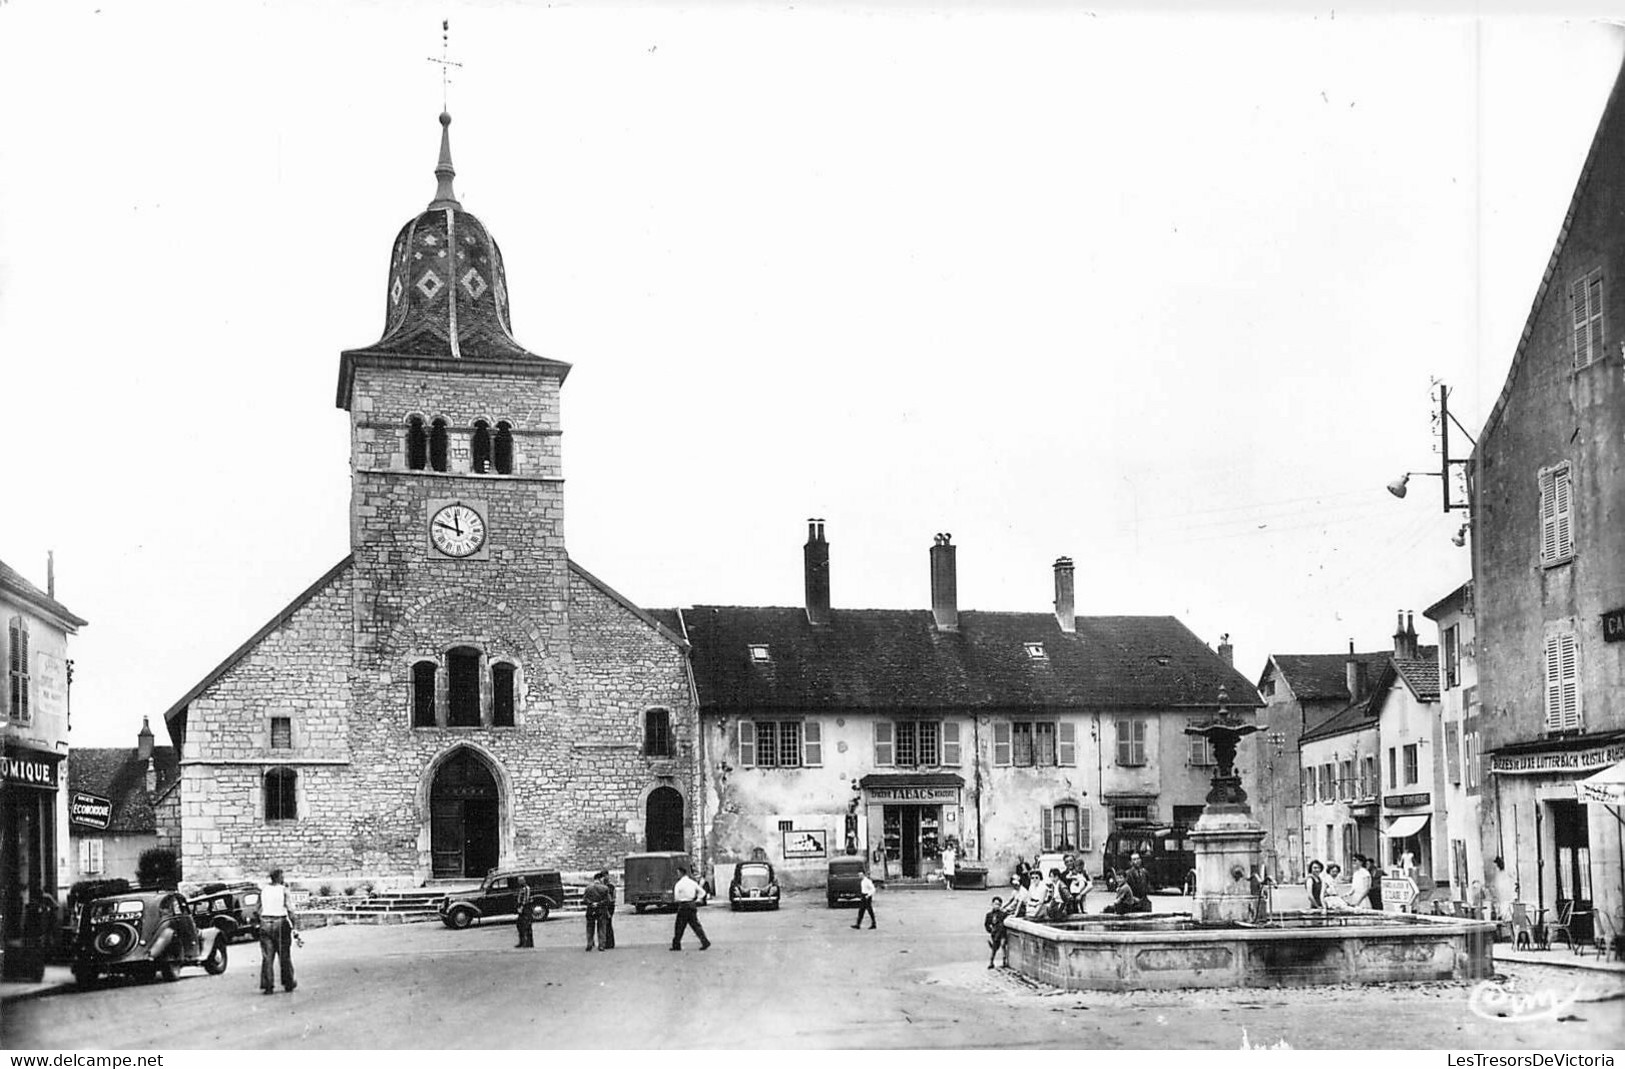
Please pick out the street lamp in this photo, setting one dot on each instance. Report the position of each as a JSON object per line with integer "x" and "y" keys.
{"x": 1400, "y": 485}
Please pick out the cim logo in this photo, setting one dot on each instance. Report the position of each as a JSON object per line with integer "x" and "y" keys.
{"x": 1497, "y": 1004}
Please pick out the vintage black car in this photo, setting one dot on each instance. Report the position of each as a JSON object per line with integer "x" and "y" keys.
{"x": 845, "y": 884}
{"x": 234, "y": 908}
{"x": 755, "y": 886}
{"x": 145, "y": 934}
{"x": 498, "y": 896}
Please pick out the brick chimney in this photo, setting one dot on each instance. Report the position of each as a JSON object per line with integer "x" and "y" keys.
{"x": 944, "y": 584}
{"x": 1410, "y": 635}
{"x": 816, "y": 555}
{"x": 143, "y": 751}
{"x": 1227, "y": 652}
{"x": 1404, "y": 639}
{"x": 1065, "y": 614}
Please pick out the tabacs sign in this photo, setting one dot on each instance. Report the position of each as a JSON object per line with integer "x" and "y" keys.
{"x": 90, "y": 810}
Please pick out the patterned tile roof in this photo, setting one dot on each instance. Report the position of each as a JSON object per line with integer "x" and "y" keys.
{"x": 898, "y": 659}
{"x": 121, "y": 776}
{"x": 1421, "y": 673}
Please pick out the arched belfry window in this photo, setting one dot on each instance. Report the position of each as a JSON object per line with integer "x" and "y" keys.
{"x": 417, "y": 444}
{"x": 504, "y": 448}
{"x": 481, "y": 446}
{"x": 502, "y": 695}
{"x": 281, "y": 791}
{"x": 437, "y": 445}
{"x": 463, "y": 687}
{"x": 423, "y": 680}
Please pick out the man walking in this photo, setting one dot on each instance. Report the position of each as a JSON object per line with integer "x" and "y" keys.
{"x": 276, "y": 933}
{"x": 688, "y": 894}
{"x": 523, "y": 920}
{"x": 867, "y": 889}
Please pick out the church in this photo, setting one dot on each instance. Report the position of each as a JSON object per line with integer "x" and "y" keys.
{"x": 455, "y": 694}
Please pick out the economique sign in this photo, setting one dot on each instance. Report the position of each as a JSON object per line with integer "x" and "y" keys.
{"x": 90, "y": 810}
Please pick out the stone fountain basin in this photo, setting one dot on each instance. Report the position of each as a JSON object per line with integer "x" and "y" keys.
{"x": 1156, "y": 952}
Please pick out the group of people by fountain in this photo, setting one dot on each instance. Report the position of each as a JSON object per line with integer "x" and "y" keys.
{"x": 1326, "y": 890}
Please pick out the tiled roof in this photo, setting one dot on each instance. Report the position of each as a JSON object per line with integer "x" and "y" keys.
{"x": 898, "y": 659}
{"x": 1357, "y": 716}
{"x": 12, "y": 582}
{"x": 1421, "y": 673}
{"x": 1322, "y": 676}
{"x": 121, "y": 776}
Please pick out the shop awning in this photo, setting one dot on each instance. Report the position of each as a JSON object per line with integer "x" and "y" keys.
{"x": 1605, "y": 788}
{"x": 1406, "y": 826}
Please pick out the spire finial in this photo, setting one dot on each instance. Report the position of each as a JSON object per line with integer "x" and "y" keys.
{"x": 443, "y": 195}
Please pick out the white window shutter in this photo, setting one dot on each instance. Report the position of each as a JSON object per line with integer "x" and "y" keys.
{"x": 1561, "y": 505}
{"x": 1568, "y": 665}
{"x": 883, "y": 742}
{"x": 1066, "y": 734}
{"x": 1554, "y": 686}
{"x": 1084, "y": 844}
{"x": 812, "y": 743}
{"x": 1582, "y": 323}
{"x": 747, "y": 743}
{"x": 1001, "y": 742}
{"x": 1046, "y": 825}
{"x": 950, "y": 742}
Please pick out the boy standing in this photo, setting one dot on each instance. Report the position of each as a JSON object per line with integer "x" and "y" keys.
{"x": 994, "y": 924}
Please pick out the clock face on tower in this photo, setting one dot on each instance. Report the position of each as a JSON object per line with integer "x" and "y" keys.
{"x": 457, "y": 528}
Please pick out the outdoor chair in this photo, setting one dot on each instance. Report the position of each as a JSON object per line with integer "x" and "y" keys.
{"x": 1605, "y": 936}
{"x": 1523, "y": 929}
{"x": 1565, "y": 915}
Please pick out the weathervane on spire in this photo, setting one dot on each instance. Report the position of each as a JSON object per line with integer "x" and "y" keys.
{"x": 446, "y": 63}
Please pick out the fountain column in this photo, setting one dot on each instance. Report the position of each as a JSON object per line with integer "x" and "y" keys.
{"x": 1226, "y": 839}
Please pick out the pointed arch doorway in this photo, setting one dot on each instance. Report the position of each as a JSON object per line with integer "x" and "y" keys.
{"x": 464, "y": 837}
{"x": 663, "y": 824}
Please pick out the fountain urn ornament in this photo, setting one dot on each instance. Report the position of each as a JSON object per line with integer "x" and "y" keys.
{"x": 1226, "y": 837}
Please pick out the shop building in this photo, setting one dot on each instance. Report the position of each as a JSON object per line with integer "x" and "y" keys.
{"x": 1301, "y": 691}
{"x": 456, "y": 693}
{"x": 1548, "y": 493}
{"x": 1459, "y": 711}
{"x": 1407, "y": 701}
{"x": 33, "y": 862}
{"x": 1339, "y": 779}
{"x": 902, "y": 734}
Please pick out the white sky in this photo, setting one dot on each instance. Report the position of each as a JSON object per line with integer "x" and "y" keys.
{"x": 1160, "y": 292}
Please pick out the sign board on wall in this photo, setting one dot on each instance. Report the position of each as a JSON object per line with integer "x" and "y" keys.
{"x": 811, "y": 842}
{"x": 27, "y": 770}
{"x": 1559, "y": 761}
{"x": 911, "y": 794}
{"x": 1613, "y": 626}
{"x": 90, "y": 810}
{"x": 50, "y": 685}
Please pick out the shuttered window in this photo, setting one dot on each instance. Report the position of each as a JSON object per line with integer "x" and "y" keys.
{"x": 950, "y": 742}
{"x": 774, "y": 743}
{"x": 747, "y": 743}
{"x": 1585, "y": 303}
{"x": 907, "y": 754}
{"x": 1021, "y": 737}
{"x": 1562, "y": 683}
{"x": 1066, "y": 734}
{"x": 17, "y": 670}
{"x": 1452, "y": 751}
{"x": 883, "y": 743}
{"x": 812, "y": 743}
{"x": 1556, "y": 517}
{"x": 1043, "y": 744}
{"x": 1201, "y": 752}
{"x": 1001, "y": 742}
{"x": 1131, "y": 742}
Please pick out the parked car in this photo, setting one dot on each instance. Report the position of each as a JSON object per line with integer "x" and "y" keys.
{"x": 81, "y": 895}
{"x": 1165, "y": 853}
{"x": 145, "y": 934}
{"x": 651, "y": 877}
{"x": 498, "y": 896}
{"x": 234, "y": 908}
{"x": 845, "y": 884}
{"x": 755, "y": 886}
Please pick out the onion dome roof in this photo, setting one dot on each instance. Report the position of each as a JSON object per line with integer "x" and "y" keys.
{"x": 447, "y": 296}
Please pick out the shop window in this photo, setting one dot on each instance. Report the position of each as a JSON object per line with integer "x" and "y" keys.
{"x": 17, "y": 671}
{"x": 502, "y": 697}
{"x": 1131, "y": 742}
{"x": 480, "y": 447}
{"x": 1562, "y": 683}
{"x": 423, "y": 677}
{"x": 281, "y": 733}
{"x": 657, "y": 733}
{"x": 438, "y": 448}
{"x": 504, "y": 448}
{"x": 463, "y": 687}
{"x": 417, "y": 444}
{"x": 281, "y": 789}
